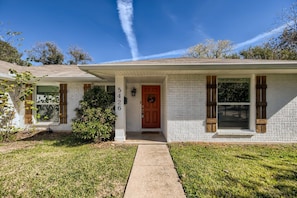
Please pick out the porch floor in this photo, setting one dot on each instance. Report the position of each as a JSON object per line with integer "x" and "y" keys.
{"x": 145, "y": 138}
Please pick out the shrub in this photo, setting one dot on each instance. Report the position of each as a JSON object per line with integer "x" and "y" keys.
{"x": 95, "y": 117}
{"x": 12, "y": 94}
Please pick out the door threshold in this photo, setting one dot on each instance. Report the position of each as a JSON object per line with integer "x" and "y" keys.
{"x": 151, "y": 130}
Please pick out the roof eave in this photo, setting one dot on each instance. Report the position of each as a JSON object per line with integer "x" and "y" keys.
{"x": 218, "y": 66}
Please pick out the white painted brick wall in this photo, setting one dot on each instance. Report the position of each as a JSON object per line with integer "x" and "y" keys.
{"x": 133, "y": 108}
{"x": 186, "y": 110}
{"x": 186, "y": 101}
{"x": 164, "y": 109}
{"x": 282, "y": 108}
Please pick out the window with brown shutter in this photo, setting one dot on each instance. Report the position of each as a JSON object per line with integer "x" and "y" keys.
{"x": 261, "y": 104}
{"x": 63, "y": 103}
{"x": 28, "y": 109}
{"x": 87, "y": 87}
{"x": 211, "y": 104}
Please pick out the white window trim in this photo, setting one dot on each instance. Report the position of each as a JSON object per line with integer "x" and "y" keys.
{"x": 252, "y": 119}
{"x": 103, "y": 84}
{"x": 236, "y": 132}
{"x": 36, "y": 123}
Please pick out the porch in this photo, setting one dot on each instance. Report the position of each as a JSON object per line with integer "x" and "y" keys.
{"x": 144, "y": 138}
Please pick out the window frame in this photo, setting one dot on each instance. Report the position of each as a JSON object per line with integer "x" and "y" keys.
{"x": 105, "y": 87}
{"x": 37, "y": 103}
{"x": 250, "y": 103}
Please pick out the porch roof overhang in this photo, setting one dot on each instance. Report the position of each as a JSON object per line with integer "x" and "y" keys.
{"x": 189, "y": 66}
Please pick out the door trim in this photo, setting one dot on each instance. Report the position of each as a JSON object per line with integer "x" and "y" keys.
{"x": 153, "y": 110}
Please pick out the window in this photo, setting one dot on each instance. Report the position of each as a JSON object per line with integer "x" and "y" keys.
{"x": 233, "y": 103}
{"x": 110, "y": 89}
{"x": 47, "y": 103}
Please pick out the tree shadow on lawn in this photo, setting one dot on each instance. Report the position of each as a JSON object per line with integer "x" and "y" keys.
{"x": 280, "y": 189}
{"x": 286, "y": 178}
{"x": 285, "y": 186}
{"x": 59, "y": 138}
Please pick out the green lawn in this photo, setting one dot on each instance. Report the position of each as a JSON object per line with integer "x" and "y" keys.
{"x": 64, "y": 168}
{"x": 228, "y": 170}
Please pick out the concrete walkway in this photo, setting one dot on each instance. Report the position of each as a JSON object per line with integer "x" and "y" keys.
{"x": 153, "y": 174}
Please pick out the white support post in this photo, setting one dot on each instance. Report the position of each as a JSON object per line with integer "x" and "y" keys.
{"x": 253, "y": 103}
{"x": 120, "y": 125}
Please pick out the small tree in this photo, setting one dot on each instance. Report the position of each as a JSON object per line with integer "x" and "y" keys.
{"x": 282, "y": 46}
{"x": 95, "y": 116}
{"x": 211, "y": 49}
{"x": 8, "y": 51}
{"x": 46, "y": 53}
{"x": 78, "y": 56}
{"x": 12, "y": 94}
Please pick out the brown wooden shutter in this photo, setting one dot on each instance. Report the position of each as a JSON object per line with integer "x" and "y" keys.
{"x": 87, "y": 87}
{"x": 211, "y": 104}
{"x": 28, "y": 109}
{"x": 261, "y": 104}
{"x": 63, "y": 103}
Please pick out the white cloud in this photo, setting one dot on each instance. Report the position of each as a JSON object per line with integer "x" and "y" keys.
{"x": 125, "y": 8}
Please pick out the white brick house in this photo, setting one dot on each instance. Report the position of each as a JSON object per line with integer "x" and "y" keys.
{"x": 190, "y": 99}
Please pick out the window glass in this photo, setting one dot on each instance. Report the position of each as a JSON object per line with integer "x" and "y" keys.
{"x": 100, "y": 86}
{"x": 111, "y": 91}
{"x": 233, "y": 103}
{"x": 47, "y": 103}
{"x": 234, "y": 90}
{"x": 233, "y": 116}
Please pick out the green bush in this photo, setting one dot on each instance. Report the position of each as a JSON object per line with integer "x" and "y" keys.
{"x": 12, "y": 95}
{"x": 95, "y": 117}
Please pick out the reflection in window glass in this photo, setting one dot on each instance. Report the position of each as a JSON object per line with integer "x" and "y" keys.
{"x": 47, "y": 103}
{"x": 234, "y": 116}
{"x": 101, "y": 87}
{"x": 233, "y": 90}
{"x": 111, "y": 91}
{"x": 233, "y": 103}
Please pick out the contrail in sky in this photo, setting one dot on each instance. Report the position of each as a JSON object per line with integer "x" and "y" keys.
{"x": 169, "y": 54}
{"x": 181, "y": 52}
{"x": 258, "y": 38}
{"x": 125, "y": 8}
{"x": 262, "y": 36}
{"x": 172, "y": 53}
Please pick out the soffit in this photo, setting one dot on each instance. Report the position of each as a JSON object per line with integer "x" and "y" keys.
{"x": 189, "y": 66}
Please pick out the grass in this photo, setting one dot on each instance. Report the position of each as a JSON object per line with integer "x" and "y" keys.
{"x": 218, "y": 170}
{"x": 63, "y": 167}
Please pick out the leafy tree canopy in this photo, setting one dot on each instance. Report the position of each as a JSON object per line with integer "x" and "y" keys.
{"x": 211, "y": 49}
{"x": 8, "y": 52}
{"x": 281, "y": 47}
{"x": 46, "y": 53}
{"x": 78, "y": 56}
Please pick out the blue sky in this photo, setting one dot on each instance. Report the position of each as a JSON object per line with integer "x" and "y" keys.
{"x": 111, "y": 30}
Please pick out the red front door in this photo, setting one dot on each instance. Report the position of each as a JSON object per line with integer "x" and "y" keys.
{"x": 151, "y": 106}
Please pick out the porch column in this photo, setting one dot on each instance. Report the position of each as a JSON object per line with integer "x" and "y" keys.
{"x": 120, "y": 125}
{"x": 253, "y": 103}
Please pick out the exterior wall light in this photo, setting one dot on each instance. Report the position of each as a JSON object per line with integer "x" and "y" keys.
{"x": 133, "y": 91}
